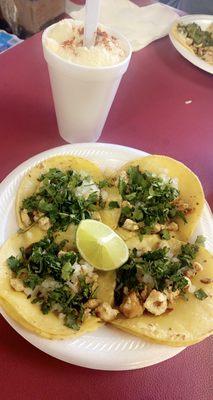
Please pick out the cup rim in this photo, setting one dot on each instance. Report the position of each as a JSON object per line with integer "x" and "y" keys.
{"x": 115, "y": 33}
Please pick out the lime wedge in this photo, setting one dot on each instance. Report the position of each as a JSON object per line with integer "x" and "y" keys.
{"x": 100, "y": 246}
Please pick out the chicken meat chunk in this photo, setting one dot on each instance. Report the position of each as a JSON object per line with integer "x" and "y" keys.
{"x": 131, "y": 306}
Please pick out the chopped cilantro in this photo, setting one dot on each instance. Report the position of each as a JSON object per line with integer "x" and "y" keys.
{"x": 43, "y": 263}
{"x": 56, "y": 198}
{"x": 179, "y": 280}
{"x": 146, "y": 230}
{"x": 103, "y": 184}
{"x": 113, "y": 204}
{"x": 31, "y": 280}
{"x": 122, "y": 186}
{"x": 165, "y": 234}
{"x": 137, "y": 215}
{"x": 159, "y": 266}
{"x": 70, "y": 321}
{"x": 200, "y": 294}
{"x": 126, "y": 211}
{"x": 188, "y": 253}
{"x": 66, "y": 271}
{"x": 14, "y": 264}
{"x": 151, "y": 199}
{"x": 200, "y": 241}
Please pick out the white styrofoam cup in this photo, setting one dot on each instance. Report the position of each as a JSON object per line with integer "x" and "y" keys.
{"x": 82, "y": 94}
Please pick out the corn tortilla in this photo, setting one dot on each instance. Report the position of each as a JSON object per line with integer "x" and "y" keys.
{"x": 191, "y": 191}
{"x": 29, "y": 185}
{"x": 190, "y": 321}
{"x": 29, "y": 315}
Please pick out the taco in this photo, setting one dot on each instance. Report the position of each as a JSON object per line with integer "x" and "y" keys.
{"x": 159, "y": 195}
{"x": 165, "y": 291}
{"x": 61, "y": 191}
{"x": 51, "y": 291}
{"x": 196, "y": 40}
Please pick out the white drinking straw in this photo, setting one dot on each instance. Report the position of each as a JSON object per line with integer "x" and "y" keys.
{"x": 91, "y": 21}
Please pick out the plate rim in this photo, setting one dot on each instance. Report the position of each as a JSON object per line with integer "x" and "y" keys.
{"x": 191, "y": 57}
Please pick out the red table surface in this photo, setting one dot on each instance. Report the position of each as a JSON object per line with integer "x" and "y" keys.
{"x": 149, "y": 113}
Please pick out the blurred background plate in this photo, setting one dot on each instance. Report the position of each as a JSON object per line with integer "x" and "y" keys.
{"x": 203, "y": 21}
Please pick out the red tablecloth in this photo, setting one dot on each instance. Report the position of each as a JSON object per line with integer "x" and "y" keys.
{"x": 149, "y": 113}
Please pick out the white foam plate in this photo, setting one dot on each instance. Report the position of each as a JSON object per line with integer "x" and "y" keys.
{"x": 203, "y": 21}
{"x": 107, "y": 348}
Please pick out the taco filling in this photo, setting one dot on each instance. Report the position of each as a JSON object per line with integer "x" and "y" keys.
{"x": 198, "y": 40}
{"x": 152, "y": 281}
{"x": 59, "y": 282}
{"x": 63, "y": 198}
{"x": 150, "y": 203}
